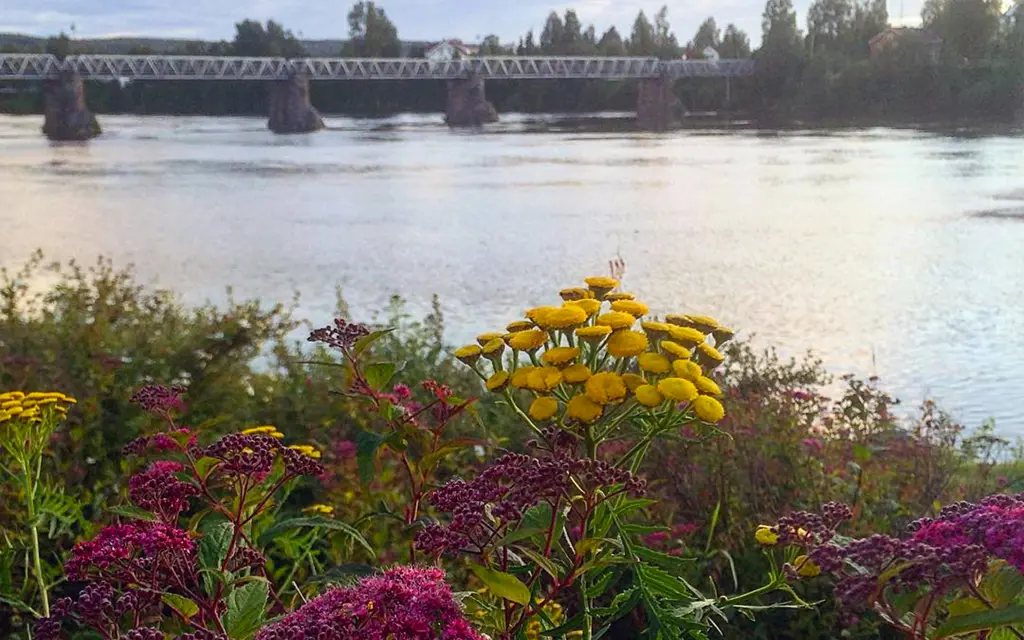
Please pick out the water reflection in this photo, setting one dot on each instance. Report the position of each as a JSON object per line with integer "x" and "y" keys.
{"x": 888, "y": 251}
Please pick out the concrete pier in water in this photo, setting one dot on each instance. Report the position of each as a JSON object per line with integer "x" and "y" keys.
{"x": 467, "y": 103}
{"x": 657, "y": 107}
{"x": 66, "y": 115}
{"x": 291, "y": 110}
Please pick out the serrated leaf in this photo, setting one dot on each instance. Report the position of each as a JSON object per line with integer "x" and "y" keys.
{"x": 203, "y": 465}
{"x": 592, "y": 544}
{"x": 320, "y": 522}
{"x": 663, "y": 560}
{"x": 213, "y": 547}
{"x": 980, "y": 621}
{"x": 131, "y": 511}
{"x": 379, "y": 374}
{"x": 503, "y": 585}
{"x": 187, "y": 608}
{"x": 1001, "y": 585}
{"x": 247, "y": 609}
{"x": 364, "y": 343}
{"x": 367, "y": 444}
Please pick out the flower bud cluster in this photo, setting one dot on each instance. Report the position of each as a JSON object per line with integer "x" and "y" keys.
{"x": 343, "y": 335}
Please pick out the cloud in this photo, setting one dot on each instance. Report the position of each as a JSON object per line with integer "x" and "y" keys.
{"x": 416, "y": 19}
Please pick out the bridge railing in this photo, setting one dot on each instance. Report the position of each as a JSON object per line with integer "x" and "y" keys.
{"x": 111, "y": 67}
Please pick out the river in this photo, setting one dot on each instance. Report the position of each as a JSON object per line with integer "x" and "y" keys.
{"x": 889, "y": 252}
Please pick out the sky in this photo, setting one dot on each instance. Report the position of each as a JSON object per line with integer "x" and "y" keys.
{"x": 468, "y": 20}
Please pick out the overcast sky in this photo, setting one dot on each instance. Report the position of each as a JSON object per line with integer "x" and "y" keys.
{"x": 416, "y": 19}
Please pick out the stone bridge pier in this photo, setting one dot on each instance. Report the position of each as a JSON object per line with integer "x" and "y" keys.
{"x": 290, "y": 108}
{"x": 657, "y": 107}
{"x": 467, "y": 103}
{"x": 65, "y": 115}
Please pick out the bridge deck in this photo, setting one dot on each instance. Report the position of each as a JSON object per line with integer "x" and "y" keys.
{"x": 111, "y": 67}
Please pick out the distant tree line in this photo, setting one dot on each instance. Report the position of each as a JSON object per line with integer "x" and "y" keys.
{"x": 825, "y": 71}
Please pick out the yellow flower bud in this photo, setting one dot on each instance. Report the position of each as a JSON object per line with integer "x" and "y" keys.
{"x": 707, "y": 386}
{"x": 498, "y": 381}
{"x": 528, "y": 340}
{"x": 468, "y": 354}
{"x": 626, "y": 344}
{"x": 649, "y": 396}
{"x": 708, "y": 409}
{"x": 632, "y": 307}
{"x": 543, "y": 408}
{"x": 616, "y": 320}
{"x": 583, "y": 409}
{"x": 560, "y": 355}
{"x": 687, "y": 370}
{"x": 806, "y": 567}
{"x": 766, "y": 536}
{"x": 654, "y": 363}
{"x": 576, "y": 374}
{"x": 678, "y": 389}
{"x": 606, "y": 388}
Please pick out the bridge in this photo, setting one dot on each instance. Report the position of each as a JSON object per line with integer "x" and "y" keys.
{"x": 290, "y": 107}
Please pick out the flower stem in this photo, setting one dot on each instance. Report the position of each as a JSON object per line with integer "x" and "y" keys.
{"x": 30, "y": 504}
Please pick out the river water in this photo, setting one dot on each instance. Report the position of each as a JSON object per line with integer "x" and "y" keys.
{"x": 894, "y": 252}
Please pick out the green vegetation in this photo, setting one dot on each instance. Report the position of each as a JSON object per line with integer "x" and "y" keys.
{"x": 968, "y": 62}
{"x": 784, "y": 445}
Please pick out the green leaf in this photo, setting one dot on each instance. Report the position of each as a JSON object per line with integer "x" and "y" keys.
{"x": 546, "y": 564}
{"x": 187, "y": 608}
{"x": 379, "y": 374}
{"x": 633, "y": 505}
{"x": 979, "y": 621}
{"x": 621, "y": 604}
{"x": 367, "y": 444}
{"x": 320, "y": 522}
{"x": 663, "y": 560}
{"x": 862, "y": 453}
{"x": 1001, "y": 585}
{"x": 18, "y": 604}
{"x": 593, "y": 544}
{"x": 203, "y": 465}
{"x": 430, "y": 460}
{"x": 714, "y": 524}
{"x": 213, "y": 547}
{"x": 365, "y": 342}
{"x": 131, "y": 511}
{"x": 503, "y": 585}
{"x": 247, "y": 609}
{"x": 660, "y": 583}
{"x": 964, "y": 606}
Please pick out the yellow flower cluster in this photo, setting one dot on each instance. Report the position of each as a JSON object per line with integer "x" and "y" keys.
{"x": 33, "y": 407}
{"x": 266, "y": 430}
{"x": 306, "y": 449}
{"x": 323, "y": 509}
{"x": 586, "y": 358}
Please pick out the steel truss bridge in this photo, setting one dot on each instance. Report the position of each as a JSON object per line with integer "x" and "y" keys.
{"x": 127, "y": 67}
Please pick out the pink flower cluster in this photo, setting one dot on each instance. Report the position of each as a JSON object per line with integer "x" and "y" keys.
{"x": 404, "y": 603}
{"x": 160, "y": 492}
{"x": 156, "y": 398}
{"x": 143, "y": 553}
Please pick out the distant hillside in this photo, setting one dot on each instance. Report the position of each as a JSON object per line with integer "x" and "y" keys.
{"x": 20, "y": 42}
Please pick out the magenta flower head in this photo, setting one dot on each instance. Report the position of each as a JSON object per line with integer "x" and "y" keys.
{"x": 342, "y": 336}
{"x": 409, "y": 603}
{"x": 144, "y": 553}
{"x": 158, "y": 399}
{"x": 243, "y": 454}
{"x": 160, "y": 492}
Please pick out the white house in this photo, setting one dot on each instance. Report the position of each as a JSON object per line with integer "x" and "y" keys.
{"x": 447, "y": 50}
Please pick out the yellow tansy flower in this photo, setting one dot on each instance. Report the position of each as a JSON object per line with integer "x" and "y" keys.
{"x": 601, "y": 282}
{"x": 521, "y": 378}
{"x": 615, "y": 297}
{"x": 626, "y": 344}
{"x": 544, "y": 379}
{"x": 9, "y": 404}
{"x": 589, "y": 305}
{"x": 560, "y": 355}
{"x": 707, "y": 324}
{"x": 528, "y": 340}
{"x": 654, "y": 363}
{"x": 468, "y": 354}
{"x": 498, "y": 381}
{"x": 519, "y": 325}
{"x": 576, "y": 374}
{"x": 306, "y": 449}
{"x": 655, "y": 329}
{"x": 4, "y": 416}
{"x": 539, "y": 315}
{"x": 708, "y": 409}
{"x": 616, "y": 320}
{"x": 494, "y": 348}
{"x": 686, "y": 336}
{"x": 806, "y": 567}
{"x": 687, "y": 370}
{"x": 632, "y": 307}
{"x": 593, "y": 334}
{"x": 633, "y": 381}
{"x": 649, "y": 396}
{"x": 722, "y": 335}
{"x": 583, "y": 409}
{"x": 267, "y": 429}
{"x": 678, "y": 389}
{"x": 675, "y": 349}
{"x": 543, "y": 408}
{"x": 574, "y": 293}
{"x": 484, "y": 338}
{"x": 15, "y": 411}
{"x": 709, "y": 356}
{"x": 606, "y": 388}
{"x": 707, "y": 386}
{"x": 324, "y": 509}
{"x": 765, "y": 536}
{"x": 566, "y": 317}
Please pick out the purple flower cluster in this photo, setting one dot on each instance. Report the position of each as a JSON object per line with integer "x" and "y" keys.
{"x": 159, "y": 441}
{"x": 146, "y": 553}
{"x": 300, "y": 464}
{"x": 996, "y": 524}
{"x": 100, "y": 607}
{"x": 160, "y": 492}
{"x": 242, "y": 454}
{"x": 505, "y": 491}
{"x": 156, "y": 398}
{"x": 343, "y": 335}
{"x": 405, "y": 603}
